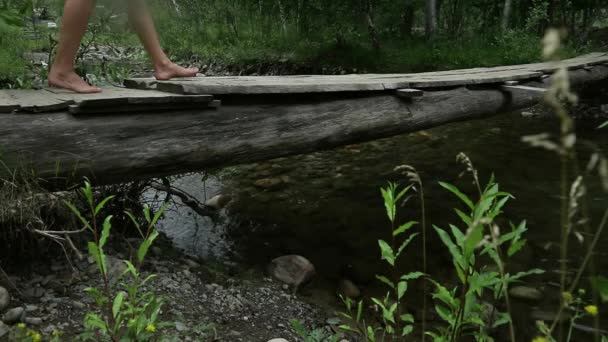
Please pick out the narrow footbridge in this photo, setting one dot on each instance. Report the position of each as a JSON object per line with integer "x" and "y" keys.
{"x": 153, "y": 128}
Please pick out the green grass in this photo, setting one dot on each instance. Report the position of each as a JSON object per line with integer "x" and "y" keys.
{"x": 12, "y": 66}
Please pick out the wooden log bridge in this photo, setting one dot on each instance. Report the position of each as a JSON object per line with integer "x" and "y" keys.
{"x": 168, "y": 127}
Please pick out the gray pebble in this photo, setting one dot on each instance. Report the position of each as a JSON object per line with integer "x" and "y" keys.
{"x": 33, "y": 321}
{"x": 5, "y": 299}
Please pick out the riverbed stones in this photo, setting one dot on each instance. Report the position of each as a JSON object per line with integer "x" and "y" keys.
{"x": 270, "y": 183}
{"x": 13, "y": 315}
{"x": 525, "y": 293}
{"x": 5, "y": 298}
{"x": 348, "y": 289}
{"x": 291, "y": 269}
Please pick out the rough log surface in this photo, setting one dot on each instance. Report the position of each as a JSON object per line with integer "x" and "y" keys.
{"x": 111, "y": 148}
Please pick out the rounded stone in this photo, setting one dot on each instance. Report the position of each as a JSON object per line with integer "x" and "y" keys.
{"x": 5, "y": 299}
{"x": 348, "y": 289}
{"x": 525, "y": 293}
{"x": 13, "y": 315}
{"x": 278, "y": 340}
{"x": 291, "y": 269}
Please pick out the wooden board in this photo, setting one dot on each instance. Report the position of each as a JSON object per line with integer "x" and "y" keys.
{"x": 255, "y": 85}
{"x": 8, "y": 104}
{"x": 112, "y": 99}
{"x": 36, "y": 101}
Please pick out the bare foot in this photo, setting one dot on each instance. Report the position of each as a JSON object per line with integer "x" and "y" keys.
{"x": 170, "y": 70}
{"x": 71, "y": 81}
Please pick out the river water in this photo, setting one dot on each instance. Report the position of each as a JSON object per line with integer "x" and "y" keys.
{"x": 327, "y": 206}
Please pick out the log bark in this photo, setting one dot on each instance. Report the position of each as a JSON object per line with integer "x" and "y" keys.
{"x": 116, "y": 148}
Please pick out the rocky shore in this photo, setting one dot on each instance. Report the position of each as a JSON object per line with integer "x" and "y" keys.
{"x": 202, "y": 303}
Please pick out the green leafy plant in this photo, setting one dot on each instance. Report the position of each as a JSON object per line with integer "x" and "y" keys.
{"x": 314, "y": 335}
{"x": 125, "y": 314}
{"x": 466, "y": 313}
{"x": 395, "y": 322}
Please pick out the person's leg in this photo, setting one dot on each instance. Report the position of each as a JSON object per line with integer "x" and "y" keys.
{"x": 140, "y": 18}
{"x": 76, "y": 15}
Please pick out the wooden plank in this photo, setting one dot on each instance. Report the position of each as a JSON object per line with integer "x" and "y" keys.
{"x": 409, "y": 93}
{"x": 523, "y": 88}
{"x": 38, "y": 101}
{"x": 8, "y": 104}
{"x": 364, "y": 83}
{"x": 120, "y": 100}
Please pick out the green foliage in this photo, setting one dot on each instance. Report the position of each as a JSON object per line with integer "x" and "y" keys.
{"x": 314, "y": 335}
{"x": 395, "y": 323}
{"x": 125, "y": 314}
{"x": 466, "y": 311}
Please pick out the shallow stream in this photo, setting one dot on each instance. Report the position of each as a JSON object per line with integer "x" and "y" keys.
{"x": 327, "y": 206}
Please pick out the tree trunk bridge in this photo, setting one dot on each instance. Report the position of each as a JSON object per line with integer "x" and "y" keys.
{"x": 154, "y": 128}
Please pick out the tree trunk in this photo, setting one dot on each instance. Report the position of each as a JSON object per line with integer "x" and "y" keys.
{"x": 407, "y": 19}
{"x": 506, "y": 15}
{"x": 371, "y": 26}
{"x": 431, "y": 19}
{"x": 282, "y": 16}
{"x": 114, "y": 148}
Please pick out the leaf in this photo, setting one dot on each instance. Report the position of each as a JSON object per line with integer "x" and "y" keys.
{"x": 404, "y": 227}
{"x": 371, "y": 335}
{"x": 401, "y": 289}
{"x": 389, "y": 202}
{"x": 601, "y": 283}
{"x": 76, "y": 212}
{"x": 605, "y": 124}
{"x": 464, "y": 217}
{"x": 451, "y": 188}
{"x": 447, "y": 241}
{"x": 387, "y": 252}
{"x": 359, "y": 310}
{"x": 87, "y": 191}
{"x": 93, "y": 321}
{"x": 347, "y": 328}
{"x": 408, "y": 318}
{"x": 407, "y": 330}
{"x": 117, "y": 303}
{"x": 94, "y": 251}
{"x": 405, "y": 244}
{"x": 145, "y": 245}
{"x": 158, "y": 214}
{"x": 412, "y": 276}
{"x": 130, "y": 268}
{"x": 472, "y": 240}
{"x": 105, "y": 233}
{"x": 386, "y": 281}
{"x": 516, "y": 247}
{"x": 102, "y": 204}
{"x": 135, "y": 223}
{"x": 147, "y": 213}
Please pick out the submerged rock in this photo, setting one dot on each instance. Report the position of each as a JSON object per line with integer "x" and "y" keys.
{"x": 291, "y": 269}
{"x": 269, "y": 183}
{"x": 348, "y": 289}
{"x": 525, "y": 293}
{"x": 218, "y": 202}
{"x": 5, "y": 298}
